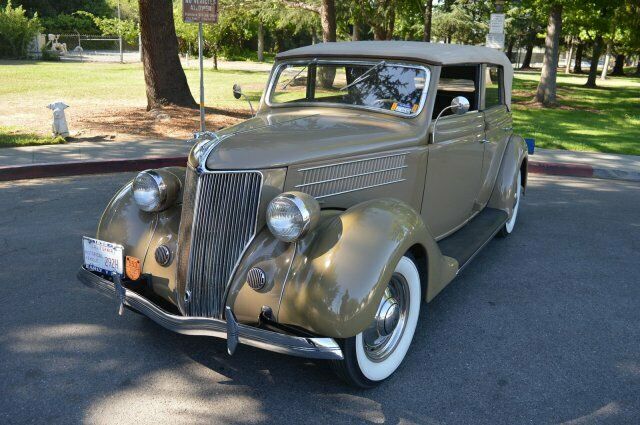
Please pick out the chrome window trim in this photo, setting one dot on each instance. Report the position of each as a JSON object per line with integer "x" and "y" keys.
{"x": 276, "y": 70}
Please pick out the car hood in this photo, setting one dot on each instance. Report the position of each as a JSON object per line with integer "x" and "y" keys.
{"x": 282, "y": 139}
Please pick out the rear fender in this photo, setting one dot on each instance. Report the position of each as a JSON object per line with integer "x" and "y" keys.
{"x": 513, "y": 160}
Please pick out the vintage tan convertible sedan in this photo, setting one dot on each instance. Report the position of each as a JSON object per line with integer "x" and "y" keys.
{"x": 372, "y": 173}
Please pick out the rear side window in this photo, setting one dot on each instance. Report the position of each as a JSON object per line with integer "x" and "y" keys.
{"x": 493, "y": 86}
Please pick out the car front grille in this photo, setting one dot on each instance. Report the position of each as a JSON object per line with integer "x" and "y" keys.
{"x": 224, "y": 220}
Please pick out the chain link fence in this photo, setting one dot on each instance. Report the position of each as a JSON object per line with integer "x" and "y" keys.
{"x": 87, "y": 48}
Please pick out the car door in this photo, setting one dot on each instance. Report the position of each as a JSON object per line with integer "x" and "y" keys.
{"x": 498, "y": 127}
{"x": 453, "y": 173}
{"x": 456, "y": 150}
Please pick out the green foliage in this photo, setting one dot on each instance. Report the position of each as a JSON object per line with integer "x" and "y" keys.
{"x": 52, "y": 8}
{"x": 128, "y": 28}
{"x": 17, "y": 31}
{"x": 67, "y": 24}
{"x": 458, "y": 23}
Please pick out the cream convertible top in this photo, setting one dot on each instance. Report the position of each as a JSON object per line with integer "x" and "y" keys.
{"x": 435, "y": 54}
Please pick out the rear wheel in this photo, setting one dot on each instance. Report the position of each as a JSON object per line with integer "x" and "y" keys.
{"x": 510, "y": 225}
{"x": 374, "y": 354}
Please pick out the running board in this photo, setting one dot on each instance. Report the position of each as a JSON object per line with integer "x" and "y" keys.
{"x": 464, "y": 244}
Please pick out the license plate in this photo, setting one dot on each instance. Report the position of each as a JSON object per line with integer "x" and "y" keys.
{"x": 103, "y": 257}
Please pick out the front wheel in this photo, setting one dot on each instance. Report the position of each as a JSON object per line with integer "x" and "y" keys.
{"x": 374, "y": 354}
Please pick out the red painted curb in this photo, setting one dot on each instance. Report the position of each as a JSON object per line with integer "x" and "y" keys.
{"x": 78, "y": 168}
{"x": 560, "y": 169}
{"x": 63, "y": 169}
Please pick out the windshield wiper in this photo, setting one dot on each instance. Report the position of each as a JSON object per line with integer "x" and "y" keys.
{"x": 364, "y": 76}
{"x": 292, "y": 79}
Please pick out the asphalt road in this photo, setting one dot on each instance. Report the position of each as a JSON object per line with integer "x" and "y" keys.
{"x": 542, "y": 327}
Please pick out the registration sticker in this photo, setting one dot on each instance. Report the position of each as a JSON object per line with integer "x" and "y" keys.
{"x": 103, "y": 257}
{"x": 403, "y": 108}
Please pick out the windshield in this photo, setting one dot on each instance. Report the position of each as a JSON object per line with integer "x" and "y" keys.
{"x": 378, "y": 85}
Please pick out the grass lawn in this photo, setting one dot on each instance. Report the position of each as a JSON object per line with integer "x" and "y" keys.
{"x": 12, "y": 137}
{"x": 606, "y": 119}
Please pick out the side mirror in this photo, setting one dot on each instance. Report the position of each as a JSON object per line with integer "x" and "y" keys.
{"x": 237, "y": 91}
{"x": 460, "y": 105}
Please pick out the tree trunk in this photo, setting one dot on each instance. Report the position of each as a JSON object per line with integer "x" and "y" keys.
{"x": 260, "y": 42}
{"x": 163, "y": 73}
{"x": 328, "y": 20}
{"x": 215, "y": 58}
{"x": 510, "y": 51}
{"x": 607, "y": 59}
{"x": 355, "y": 34}
{"x": 428, "y": 15}
{"x": 546, "y": 93}
{"x": 595, "y": 57}
{"x": 577, "y": 67}
{"x": 567, "y": 68}
{"x": 638, "y": 66}
{"x": 526, "y": 62}
{"x": 618, "y": 68}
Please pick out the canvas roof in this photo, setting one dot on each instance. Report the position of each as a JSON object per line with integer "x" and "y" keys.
{"x": 431, "y": 53}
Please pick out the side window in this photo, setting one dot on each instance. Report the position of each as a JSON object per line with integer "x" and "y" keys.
{"x": 291, "y": 84}
{"x": 493, "y": 86}
{"x": 457, "y": 80}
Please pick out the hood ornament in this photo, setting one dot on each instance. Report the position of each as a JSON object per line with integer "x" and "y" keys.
{"x": 205, "y": 142}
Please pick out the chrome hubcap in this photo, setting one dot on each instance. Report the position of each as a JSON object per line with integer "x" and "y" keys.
{"x": 385, "y": 332}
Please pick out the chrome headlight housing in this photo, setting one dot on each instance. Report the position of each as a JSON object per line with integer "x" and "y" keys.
{"x": 291, "y": 215}
{"x": 155, "y": 190}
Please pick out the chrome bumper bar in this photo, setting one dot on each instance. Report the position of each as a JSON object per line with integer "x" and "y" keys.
{"x": 233, "y": 332}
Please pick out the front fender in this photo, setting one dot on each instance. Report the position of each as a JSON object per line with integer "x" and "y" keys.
{"x": 340, "y": 270}
{"x": 141, "y": 232}
{"x": 515, "y": 155}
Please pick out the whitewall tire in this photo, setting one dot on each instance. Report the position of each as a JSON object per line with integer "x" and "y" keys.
{"x": 374, "y": 354}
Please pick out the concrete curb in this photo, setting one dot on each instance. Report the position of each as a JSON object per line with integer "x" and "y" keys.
{"x": 64, "y": 169}
{"x": 78, "y": 168}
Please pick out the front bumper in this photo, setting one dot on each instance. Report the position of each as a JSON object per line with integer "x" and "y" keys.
{"x": 233, "y": 332}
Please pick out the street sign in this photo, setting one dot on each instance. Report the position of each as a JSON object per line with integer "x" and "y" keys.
{"x": 200, "y": 11}
{"x": 496, "y": 25}
{"x": 495, "y": 41}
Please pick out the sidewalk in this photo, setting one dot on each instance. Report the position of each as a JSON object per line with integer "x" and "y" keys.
{"x": 77, "y": 158}
{"x": 93, "y": 151}
{"x": 601, "y": 165}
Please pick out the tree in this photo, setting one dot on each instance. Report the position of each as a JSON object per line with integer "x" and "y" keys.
{"x": 546, "y": 93}
{"x": 327, "y": 12}
{"x": 428, "y": 17}
{"x": 163, "y": 74}
{"x": 380, "y": 15}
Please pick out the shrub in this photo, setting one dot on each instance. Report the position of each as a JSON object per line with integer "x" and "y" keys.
{"x": 17, "y": 31}
{"x": 69, "y": 24}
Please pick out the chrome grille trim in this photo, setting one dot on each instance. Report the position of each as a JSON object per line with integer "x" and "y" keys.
{"x": 225, "y": 220}
{"x": 344, "y": 177}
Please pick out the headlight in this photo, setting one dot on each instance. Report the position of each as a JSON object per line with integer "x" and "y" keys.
{"x": 155, "y": 190}
{"x": 291, "y": 215}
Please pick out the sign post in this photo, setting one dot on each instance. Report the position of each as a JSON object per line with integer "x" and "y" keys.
{"x": 201, "y": 12}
